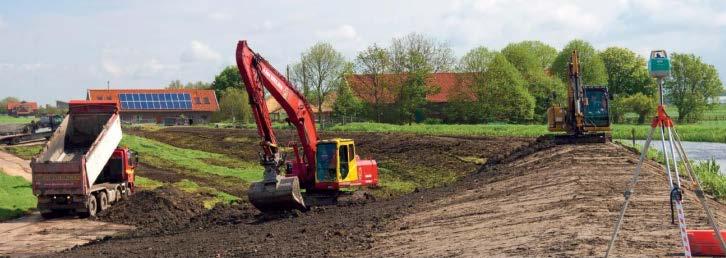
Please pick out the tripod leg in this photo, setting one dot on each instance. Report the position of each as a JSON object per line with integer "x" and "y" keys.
{"x": 629, "y": 191}
{"x": 665, "y": 154}
{"x": 699, "y": 191}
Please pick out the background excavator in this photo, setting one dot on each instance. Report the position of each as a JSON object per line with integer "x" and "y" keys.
{"x": 325, "y": 166}
{"x": 587, "y": 116}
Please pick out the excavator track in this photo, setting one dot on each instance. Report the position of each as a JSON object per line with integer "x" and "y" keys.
{"x": 583, "y": 138}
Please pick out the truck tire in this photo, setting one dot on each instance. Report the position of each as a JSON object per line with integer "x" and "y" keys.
{"x": 102, "y": 201}
{"x": 91, "y": 206}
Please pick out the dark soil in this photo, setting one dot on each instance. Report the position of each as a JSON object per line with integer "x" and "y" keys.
{"x": 426, "y": 160}
{"x": 159, "y": 211}
{"x": 239, "y": 230}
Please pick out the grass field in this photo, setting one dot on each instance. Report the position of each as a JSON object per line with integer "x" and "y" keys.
{"x": 708, "y": 131}
{"x": 6, "y": 119}
{"x": 24, "y": 152}
{"x": 162, "y": 155}
{"x": 16, "y": 196}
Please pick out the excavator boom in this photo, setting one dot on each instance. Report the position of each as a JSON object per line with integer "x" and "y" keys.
{"x": 276, "y": 191}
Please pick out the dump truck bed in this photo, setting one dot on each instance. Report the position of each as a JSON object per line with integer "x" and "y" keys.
{"x": 75, "y": 155}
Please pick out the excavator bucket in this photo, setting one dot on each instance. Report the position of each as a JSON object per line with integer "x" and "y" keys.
{"x": 283, "y": 195}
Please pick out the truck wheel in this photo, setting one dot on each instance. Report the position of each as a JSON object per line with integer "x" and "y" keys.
{"x": 103, "y": 201}
{"x": 92, "y": 205}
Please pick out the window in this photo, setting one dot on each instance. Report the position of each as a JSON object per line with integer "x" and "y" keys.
{"x": 343, "y": 153}
{"x": 99, "y": 98}
{"x": 108, "y": 97}
{"x": 206, "y": 100}
{"x": 197, "y": 100}
{"x": 351, "y": 152}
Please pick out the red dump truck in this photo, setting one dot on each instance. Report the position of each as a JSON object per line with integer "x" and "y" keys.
{"x": 81, "y": 168}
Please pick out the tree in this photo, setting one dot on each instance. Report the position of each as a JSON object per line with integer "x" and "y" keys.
{"x": 233, "y": 105}
{"x": 229, "y": 77}
{"x": 627, "y": 73}
{"x": 323, "y": 67}
{"x": 372, "y": 63}
{"x": 523, "y": 56}
{"x": 545, "y": 54}
{"x": 591, "y": 65}
{"x": 693, "y": 83}
{"x": 415, "y": 52}
{"x": 476, "y": 60}
{"x": 177, "y": 84}
{"x": 4, "y": 104}
{"x": 504, "y": 94}
{"x": 301, "y": 77}
{"x": 346, "y": 103}
{"x": 414, "y": 57}
{"x": 641, "y": 104}
{"x": 497, "y": 91}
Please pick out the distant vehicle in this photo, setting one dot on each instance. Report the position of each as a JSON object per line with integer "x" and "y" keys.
{"x": 42, "y": 129}
{"x": 587, "y": 115}
{"x": 81, "y": 168}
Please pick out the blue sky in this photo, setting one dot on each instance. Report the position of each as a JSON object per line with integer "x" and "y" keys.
{"x": 57, "y": 49}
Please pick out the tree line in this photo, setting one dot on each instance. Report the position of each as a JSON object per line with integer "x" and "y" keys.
{"x": 515, "y": 84}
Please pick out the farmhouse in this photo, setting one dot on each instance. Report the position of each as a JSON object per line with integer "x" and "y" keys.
{"x": 383, "y": 89}
{"x": 168, "y": 106}
{"x": 23, "y": 108}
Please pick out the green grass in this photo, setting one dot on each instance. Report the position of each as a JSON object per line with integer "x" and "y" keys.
{"x": 708, "y": 131}
{"x": 212, "y": 196}
{"x": 6, "y": 119}
{"x": 147, "y": 183}
{"x": 24, "y": 152}
{"x": 16, "y": 197}
{"x": 163, "y": 155}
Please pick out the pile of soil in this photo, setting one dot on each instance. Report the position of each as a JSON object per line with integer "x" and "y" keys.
{"x": 157, "y": 211}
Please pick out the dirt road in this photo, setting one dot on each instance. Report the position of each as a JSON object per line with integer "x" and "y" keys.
{"x": 15, "y": 166}
{"x": 31, "y": 235}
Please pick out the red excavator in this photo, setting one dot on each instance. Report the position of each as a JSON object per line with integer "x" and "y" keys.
{"x": 324, "y": 168}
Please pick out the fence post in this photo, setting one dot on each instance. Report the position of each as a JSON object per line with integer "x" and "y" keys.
{"x": 632, "y": 132}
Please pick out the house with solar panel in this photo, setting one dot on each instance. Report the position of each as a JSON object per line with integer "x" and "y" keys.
{"x": 162, "y": 106}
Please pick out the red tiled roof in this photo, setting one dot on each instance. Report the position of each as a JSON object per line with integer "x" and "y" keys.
{"x": 25, "y": 104}
{"x": 202, "y": 95}
{"x": 448, "y": 84}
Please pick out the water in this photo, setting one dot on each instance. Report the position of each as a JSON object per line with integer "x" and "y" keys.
{"x": 697, "y": 151}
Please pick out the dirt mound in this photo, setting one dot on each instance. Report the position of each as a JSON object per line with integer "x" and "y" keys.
{"x": 157, "y": 211}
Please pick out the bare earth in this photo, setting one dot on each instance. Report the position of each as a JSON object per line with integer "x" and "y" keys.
{"x": 31, "y": 235}
{"x": 15, "y": 166}
{"x": 561, "y": 201}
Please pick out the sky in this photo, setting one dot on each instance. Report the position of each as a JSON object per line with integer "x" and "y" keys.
{"x": 56, "y": 50}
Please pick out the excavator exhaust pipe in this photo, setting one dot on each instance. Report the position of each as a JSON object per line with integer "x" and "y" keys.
{"x": 283, "y": 194}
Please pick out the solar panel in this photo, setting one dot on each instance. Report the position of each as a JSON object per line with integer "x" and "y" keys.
{"x": 155, "y": 101}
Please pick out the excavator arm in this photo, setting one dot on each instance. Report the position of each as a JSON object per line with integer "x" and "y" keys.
{"x": 277, "y": 192}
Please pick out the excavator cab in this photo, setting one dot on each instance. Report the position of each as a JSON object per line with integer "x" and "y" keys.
{"x": 597, "y": 111}
{"x": 336, "y": 164}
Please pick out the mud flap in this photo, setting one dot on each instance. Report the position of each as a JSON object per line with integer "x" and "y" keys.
{"x": 282, "y": 195}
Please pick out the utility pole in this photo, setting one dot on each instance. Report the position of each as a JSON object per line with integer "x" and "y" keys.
{"x": 108, "y": 85}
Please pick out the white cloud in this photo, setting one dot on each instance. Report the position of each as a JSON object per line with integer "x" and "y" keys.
{"x": 3, "y": 24}
{"x": 342, "y": 32}
{"x": 133, "y": 64}
{"x": 200, "y": 52}
{"x": 220, "y": 16}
